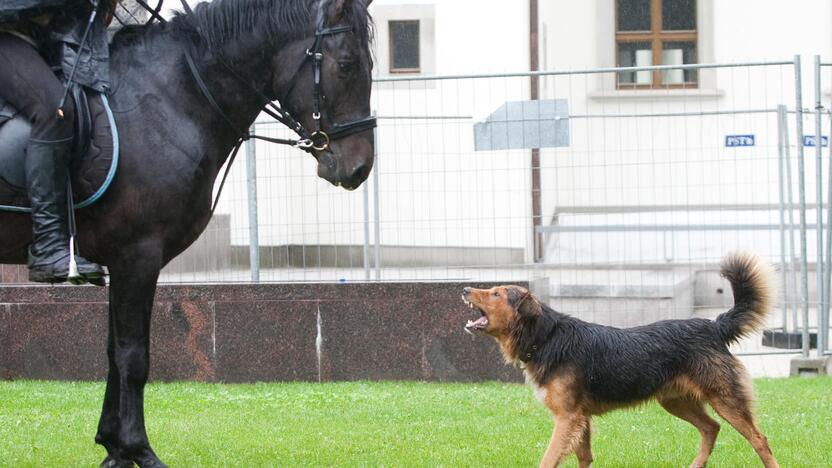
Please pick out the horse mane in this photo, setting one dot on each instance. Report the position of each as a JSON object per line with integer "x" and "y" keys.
{"x": 220, "y": 21}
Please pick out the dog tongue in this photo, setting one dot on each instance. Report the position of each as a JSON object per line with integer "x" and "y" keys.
{"x": 481, "y": 322}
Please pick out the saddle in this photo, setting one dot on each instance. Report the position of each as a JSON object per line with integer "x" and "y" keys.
{"x": 94, "y": 155}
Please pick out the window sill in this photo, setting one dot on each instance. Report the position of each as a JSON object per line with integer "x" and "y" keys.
{"x": 655, "y": 94}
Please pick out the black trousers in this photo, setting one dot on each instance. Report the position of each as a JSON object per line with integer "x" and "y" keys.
{"x": 30, "y": 85}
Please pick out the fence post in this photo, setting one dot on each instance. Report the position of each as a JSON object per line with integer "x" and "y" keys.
{"x": 801, "y": 176}
{"x": 377, "y": 215}
{"x": 251, "y": 183}
{"x": 823, "y": 319}
{"x": 821, "y": 293}
{"x": 782, "y": 140}
{"x": 793, "y": 268}
{"x": 823, "y": 323}
{"x": 366, "y": 231}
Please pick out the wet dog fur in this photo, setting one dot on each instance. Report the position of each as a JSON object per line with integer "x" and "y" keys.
{"x": 580, "y": 369}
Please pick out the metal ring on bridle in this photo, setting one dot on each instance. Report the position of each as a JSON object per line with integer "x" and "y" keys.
{"x": 315, "y": 136}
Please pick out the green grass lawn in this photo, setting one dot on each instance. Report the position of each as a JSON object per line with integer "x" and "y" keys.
{"x": 390, "y": 423}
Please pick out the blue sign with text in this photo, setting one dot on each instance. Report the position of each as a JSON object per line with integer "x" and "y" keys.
{"x": 809, "y": 140}
{"x": 732, "y": 141}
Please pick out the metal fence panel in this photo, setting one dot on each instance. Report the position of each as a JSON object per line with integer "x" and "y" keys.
{"x": 650, "y": 191}
{"x": 823, "y": 130}
{"x": 627, "y": 224}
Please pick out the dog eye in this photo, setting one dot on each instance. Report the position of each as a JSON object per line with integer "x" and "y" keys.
{"x": 345, "y": 67}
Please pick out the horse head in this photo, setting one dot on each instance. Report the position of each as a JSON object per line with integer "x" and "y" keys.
{"x": 328, "y": 89}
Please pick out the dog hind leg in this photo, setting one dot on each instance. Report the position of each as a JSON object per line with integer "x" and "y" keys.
{"x": 693, "y": 411}
{"x": 737, "y": 411}
{"x": 584, "y": 449}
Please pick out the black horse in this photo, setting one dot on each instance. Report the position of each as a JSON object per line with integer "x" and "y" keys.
{"x": 174, "y": 142}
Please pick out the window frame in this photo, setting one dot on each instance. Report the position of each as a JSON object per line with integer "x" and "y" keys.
{"x": 391, "y": 44}
{"x": 656, "y": 37}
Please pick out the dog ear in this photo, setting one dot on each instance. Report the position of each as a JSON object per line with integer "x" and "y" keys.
{"x": 524, "y": 303}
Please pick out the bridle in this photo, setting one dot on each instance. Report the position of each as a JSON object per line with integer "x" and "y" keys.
{"x": 317, "y": 140}
{"x": 320, "y": 138}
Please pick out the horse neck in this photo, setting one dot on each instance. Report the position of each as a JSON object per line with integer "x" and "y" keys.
{"x": 237, "y": 74}
{"x": 238, "y": 102}
{"x": 160, "y": 52}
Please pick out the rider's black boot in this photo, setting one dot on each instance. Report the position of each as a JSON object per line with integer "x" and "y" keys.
{"x": 46, "y": 179}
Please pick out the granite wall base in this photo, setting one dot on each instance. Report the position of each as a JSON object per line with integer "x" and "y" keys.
{"x": 250, "y": 333}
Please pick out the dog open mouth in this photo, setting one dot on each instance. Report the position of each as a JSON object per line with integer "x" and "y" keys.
{"x": 475, "y": 325}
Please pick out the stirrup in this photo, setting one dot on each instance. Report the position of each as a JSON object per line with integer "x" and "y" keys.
{"x": 74, "y": 276}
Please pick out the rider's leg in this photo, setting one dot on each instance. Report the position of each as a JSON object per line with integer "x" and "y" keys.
{"x": 27, "y": 83}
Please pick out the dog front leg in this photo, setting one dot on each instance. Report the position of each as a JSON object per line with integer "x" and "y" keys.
{"x": 569, "y": 431}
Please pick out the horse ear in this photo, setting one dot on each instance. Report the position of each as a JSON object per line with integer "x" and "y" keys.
{"x": 338, "y": 10}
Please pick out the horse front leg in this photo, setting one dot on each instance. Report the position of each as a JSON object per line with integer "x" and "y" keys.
{"x": 132, "y": 289}
{"x": 108, "y": 425}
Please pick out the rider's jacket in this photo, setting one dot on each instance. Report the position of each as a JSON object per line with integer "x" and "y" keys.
{"x": 56, "y": 27}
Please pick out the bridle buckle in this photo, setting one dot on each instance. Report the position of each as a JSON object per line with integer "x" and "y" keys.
{"x": 322, "y": 137}
{"x": 304, "y": 143}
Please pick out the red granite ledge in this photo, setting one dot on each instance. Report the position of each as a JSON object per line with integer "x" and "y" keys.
{"x": 246, "y": 333}
{"x": 274, "y": 341}
{"x": 46, "y": 294}
{"x": 5, "y": 366}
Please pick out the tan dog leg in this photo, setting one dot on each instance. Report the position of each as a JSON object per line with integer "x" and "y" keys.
{"x": 568, "y": 433}
{"x": 693, "y": 411}
{"x": 584, "y": 448}
{"x": 737, "y": 412}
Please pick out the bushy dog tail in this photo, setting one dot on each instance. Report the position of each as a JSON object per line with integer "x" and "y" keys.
{"x": 752, "y": 282}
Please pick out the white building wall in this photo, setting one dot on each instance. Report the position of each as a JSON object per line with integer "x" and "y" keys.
{"x": 678, "y": 161}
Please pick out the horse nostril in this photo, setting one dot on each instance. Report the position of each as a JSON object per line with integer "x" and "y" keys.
{"x": 466, "y": 290}
{"x": 360, "y": 172}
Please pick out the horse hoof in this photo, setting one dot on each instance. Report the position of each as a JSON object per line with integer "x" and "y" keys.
{"x": 150, "y": 460}
{"x": 113, "y": 462}
{"x": 153, "y": 464}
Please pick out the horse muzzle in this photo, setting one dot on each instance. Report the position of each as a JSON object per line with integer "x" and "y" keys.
{"x": 344, "y": 175}
{"x": 348, "y": 161}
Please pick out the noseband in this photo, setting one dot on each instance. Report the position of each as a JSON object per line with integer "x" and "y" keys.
{"x": 318, "y": 140}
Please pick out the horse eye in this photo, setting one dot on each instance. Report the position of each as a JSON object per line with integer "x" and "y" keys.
{"x": 496, "y": 293}
{"x": 345, "y": 67}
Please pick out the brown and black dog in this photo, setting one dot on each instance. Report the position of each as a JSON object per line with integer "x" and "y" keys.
{"x": 581, "y": 369}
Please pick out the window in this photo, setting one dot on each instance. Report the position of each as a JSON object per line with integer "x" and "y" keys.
{"x": 404, "y": 46}
{"x": 656, "y": 32}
